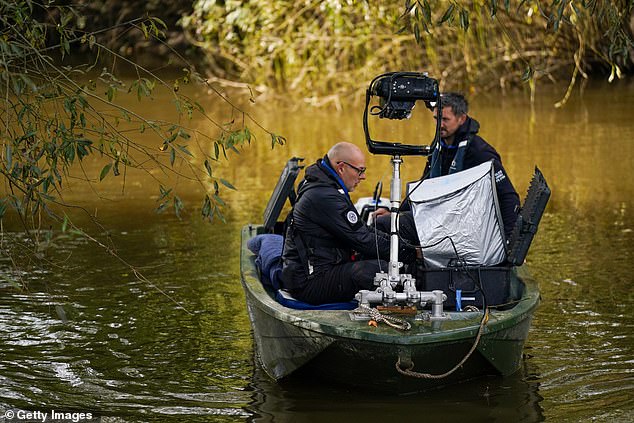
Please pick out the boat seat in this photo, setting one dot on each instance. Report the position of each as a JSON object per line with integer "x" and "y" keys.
{"x": 286, "y": 299}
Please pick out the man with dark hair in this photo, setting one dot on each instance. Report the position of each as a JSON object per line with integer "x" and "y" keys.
{"x": 325, "y": 231}
{"x": 461, "y": 148}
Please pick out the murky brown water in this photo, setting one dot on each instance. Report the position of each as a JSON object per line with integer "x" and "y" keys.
{"x": 121, "y": 348}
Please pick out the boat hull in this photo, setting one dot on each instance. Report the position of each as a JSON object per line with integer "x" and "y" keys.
{"x": 333, "y": 345}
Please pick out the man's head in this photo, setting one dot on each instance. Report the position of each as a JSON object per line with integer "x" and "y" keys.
{"x": 454, "y": 114}
{"x": 348, "y": 161}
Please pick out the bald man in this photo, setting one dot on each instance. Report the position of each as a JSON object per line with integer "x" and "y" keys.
{"x": 326, "y": 235}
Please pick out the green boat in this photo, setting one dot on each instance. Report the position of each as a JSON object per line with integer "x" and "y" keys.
{"x": 438, "y": 348}
{"x": 335, "y": 345}
{"x": 469, "y": 319}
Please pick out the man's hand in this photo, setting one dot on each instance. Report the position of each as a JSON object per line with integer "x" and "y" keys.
{"x": 380, "y": 212}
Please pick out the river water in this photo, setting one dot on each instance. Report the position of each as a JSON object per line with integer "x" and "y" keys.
{"x": 87, "y": 335}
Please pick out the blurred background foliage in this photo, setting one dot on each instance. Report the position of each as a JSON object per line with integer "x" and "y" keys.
{"x": 321, "y": 48}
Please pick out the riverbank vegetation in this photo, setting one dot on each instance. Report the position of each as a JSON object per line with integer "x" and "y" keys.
{"x": 60, "y": 66}
{"x": 335, "y": 47}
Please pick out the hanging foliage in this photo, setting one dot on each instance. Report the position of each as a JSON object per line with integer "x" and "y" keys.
{"x": 336, "y": 46}
{"x": 56, "y": 114}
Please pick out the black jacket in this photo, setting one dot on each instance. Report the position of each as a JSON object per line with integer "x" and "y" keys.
{"x": 478, "y": 152}
{"x": 325, "y": 230}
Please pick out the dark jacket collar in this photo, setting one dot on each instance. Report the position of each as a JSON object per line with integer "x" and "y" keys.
{"x": 469, "y": 127}
{"x": 322, "y": 173}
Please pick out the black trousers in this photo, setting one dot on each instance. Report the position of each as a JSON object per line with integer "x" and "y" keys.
{"x": 342, "y": 282}
{"x": 406, "y": 226}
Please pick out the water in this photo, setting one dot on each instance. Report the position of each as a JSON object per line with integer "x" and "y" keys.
{"x": 88, "y": 335}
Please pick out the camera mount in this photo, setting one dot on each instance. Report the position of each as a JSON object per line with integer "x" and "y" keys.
{"x": 398, "y": 92}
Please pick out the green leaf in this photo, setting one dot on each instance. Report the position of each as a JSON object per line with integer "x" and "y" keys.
{"x": 427, "y": 12}
{"x": 159, "y": 21}
{"x": 208, "y": 167}
{"x": 184, "y": 134}
{"x": 105, "y": 171}
{"x": 220, "y": 215}
{"x": 9, "y": 157}
{"x": 184, "y": 149}
{"x": 110, "y": 93}
{"x": 178, "y": 206}
{"x": 218, "y": 200}
{"x": 448, "y": 14}
{"x": 227, "y": 184}
{"x": 206, "y": 210}
{"x": 464, "y": 19}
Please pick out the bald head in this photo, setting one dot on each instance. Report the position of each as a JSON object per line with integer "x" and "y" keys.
{"x": 349, "y": 162}
{"x": 344, "y": 152}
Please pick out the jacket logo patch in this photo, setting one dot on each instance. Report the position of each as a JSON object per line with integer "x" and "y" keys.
{"x": 352, "y": 217}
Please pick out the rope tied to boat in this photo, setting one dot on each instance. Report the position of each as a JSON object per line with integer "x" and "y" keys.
{"x": 391, "y": 321}
{"x": 409, "y": 372}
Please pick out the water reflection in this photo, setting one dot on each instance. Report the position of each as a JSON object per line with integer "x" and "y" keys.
{"x": 515, "y": 398}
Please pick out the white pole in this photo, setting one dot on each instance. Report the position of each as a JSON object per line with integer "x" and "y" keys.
{"x": 395, "y": 202}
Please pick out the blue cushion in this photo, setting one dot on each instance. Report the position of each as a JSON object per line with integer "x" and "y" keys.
{"x": 286, "y": 299}
{"x": 268, "y": 251}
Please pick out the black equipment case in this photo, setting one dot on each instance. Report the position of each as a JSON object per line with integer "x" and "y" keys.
{"x": 470, "y": 285}
{"x": 480, "y": 285}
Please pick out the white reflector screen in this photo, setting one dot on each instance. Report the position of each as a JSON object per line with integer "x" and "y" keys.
{"x": 461, "y": 207}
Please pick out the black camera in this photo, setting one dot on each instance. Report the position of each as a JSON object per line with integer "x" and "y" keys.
{"x": 398, "y": 92}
